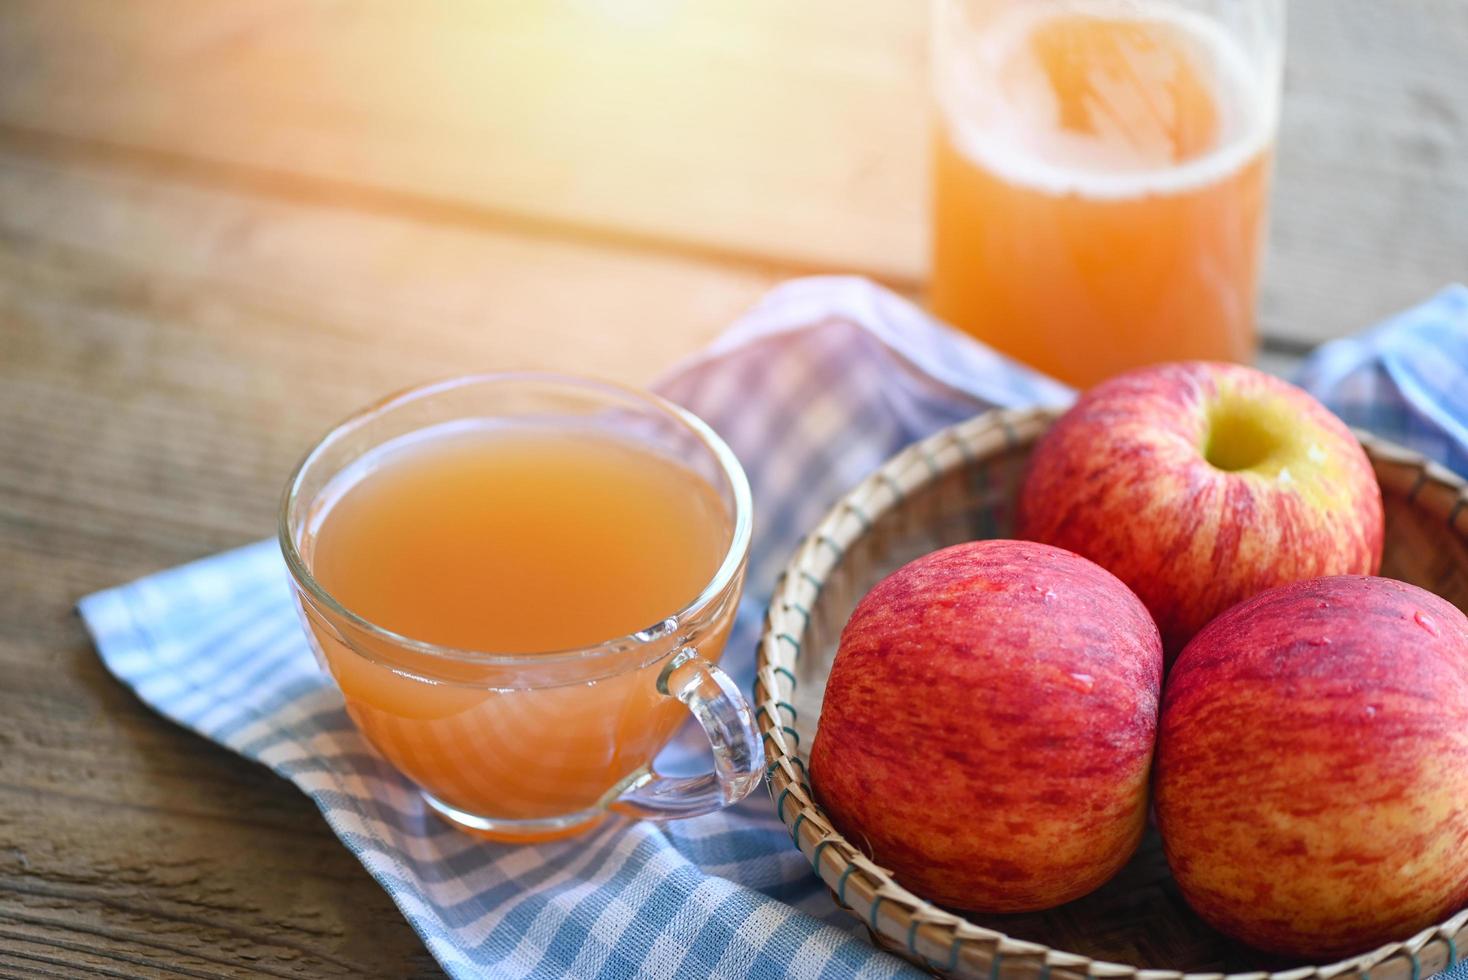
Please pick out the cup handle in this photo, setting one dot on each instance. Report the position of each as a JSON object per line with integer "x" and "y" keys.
{"x": 739, "y": 754}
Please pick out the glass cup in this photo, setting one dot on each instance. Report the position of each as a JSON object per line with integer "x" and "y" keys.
{"x": 1100, "y": 177}
{"x": 535, "y": 746}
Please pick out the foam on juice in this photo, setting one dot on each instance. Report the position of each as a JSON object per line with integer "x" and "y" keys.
{"x": 1007, "y": 112}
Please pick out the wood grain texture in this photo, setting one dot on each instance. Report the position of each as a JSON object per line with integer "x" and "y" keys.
{"x": 166, "y": 353}
{"x": 753, "y": 130}
{"x": 1370, "y": 209}
{"x": 741, "y": 126}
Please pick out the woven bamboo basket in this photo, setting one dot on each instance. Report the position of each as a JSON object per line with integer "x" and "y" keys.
{"x": 960, "y": 485}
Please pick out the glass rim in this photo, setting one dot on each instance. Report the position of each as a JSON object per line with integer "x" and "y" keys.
{"x": 724, "y": 575}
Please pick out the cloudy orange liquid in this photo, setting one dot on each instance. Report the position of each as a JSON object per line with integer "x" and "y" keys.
{"x": 509, "y": 540}
{"x": 1100, "y": 188}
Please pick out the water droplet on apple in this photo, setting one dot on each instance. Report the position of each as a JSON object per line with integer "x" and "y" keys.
{"x": 1371, "y": 711}
{"x": 1322, "y": 604}
{"x": 1084, "y": 682}
{"x": 1425, "y": 621}
{"x": 1319, "y": 641}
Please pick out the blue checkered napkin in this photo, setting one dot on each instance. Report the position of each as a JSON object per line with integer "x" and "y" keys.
{"x": 1405, "y": 380}
{"x": 814, "y": 388}
{"x": 811, "y": 391}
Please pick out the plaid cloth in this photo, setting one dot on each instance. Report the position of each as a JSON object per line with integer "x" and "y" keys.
{"x": 821, "y": 382}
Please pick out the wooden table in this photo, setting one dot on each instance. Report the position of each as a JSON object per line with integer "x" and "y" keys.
{"x": 225, "y": 224}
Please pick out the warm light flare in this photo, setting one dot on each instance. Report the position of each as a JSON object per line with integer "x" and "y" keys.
{"x": 631, "y": 14}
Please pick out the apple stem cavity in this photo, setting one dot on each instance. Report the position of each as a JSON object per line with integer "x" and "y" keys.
{"x": 1238, "y": 439}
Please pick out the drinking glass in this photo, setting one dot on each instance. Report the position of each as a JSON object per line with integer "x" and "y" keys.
{"x": 533, "y": 746}
{"x": 1101, "y": 173}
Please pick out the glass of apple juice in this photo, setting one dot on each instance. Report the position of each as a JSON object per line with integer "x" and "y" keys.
{"x": 522, "y": 584}
{"x": 1100, "y": 176}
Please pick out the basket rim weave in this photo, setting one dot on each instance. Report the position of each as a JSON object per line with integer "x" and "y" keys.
{"x": 925, "y": 933}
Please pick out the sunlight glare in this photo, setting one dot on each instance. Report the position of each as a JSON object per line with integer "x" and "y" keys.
{"x": 630, "y": 14}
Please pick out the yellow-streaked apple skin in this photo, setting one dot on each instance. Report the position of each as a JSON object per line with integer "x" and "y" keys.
{"x": 1312, "y": 767}
{"x": 1124, "y": 479}
{"x": 988, "y": 725}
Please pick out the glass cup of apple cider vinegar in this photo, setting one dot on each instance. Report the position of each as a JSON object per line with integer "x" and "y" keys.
{"x": 521, "y": 584}
{"x": 1100, "y": 177}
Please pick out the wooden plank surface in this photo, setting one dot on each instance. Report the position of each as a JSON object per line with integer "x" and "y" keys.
{"x": 709, "y": 123}
{"x": 745, "y": 128}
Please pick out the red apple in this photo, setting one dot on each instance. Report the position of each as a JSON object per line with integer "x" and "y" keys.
{"x": 1200, "y": 484}
{"x": 988, "y": 725}
{"x": 1312, "y": 770}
